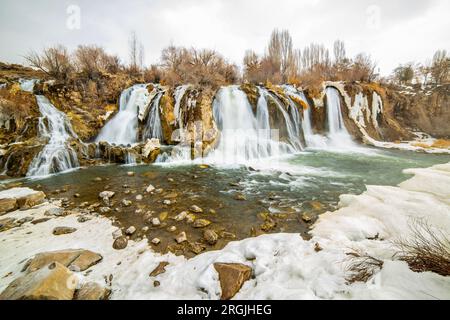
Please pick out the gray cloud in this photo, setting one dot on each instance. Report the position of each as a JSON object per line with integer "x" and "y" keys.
{"x": 405, "y": 30}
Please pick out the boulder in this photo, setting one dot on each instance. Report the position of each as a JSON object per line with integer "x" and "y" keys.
{"x": 92, "y": 291}
{"x": 74, "y": 259}
{"x": 53, "y": 282}
{"x": 151, "y": 150}
{"x": 20, "y": 198}
{"x": 232, "y": 276}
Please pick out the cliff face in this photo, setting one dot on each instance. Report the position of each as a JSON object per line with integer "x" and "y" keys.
{"x": 426, "y": 110}
{"x": 371, "y": 113}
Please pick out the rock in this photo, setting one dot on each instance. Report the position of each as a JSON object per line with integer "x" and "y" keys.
{"x": 227, "y": 235}
{"x": 156, "y": 283}
{"x": 151, "y": 150}
{"x": 211, "y": 237}
{"x": 150, "y": 189}
{"x": 130, "y": 173}
{"x": 201, "y": 223}
{"x": 196, "y": 247}
{"x": 268, "y": 225}
{"x": 104, "y": 210}
{"x": 240, "y": 197}
{"x": 74, "y": 259}
{"x": 232, "y": 276}
{"x": 139, "y": 197}
{"x": 317, "y": 247}
{"x": 7, "y": 223}
{"x": 316, "y": 205}
{"x": 170, "y": 180}
{"x": 57, "y": 212}
{"x": 145, "y": 229}
{"x": 97, "y": 179}
{"x": 172, "y": 229}
{"x": 57, "y": 231}
{"x": 167, "y": 202}
{"x": 106, "y": 194}
{"x": 130, "y": 230}
{"x": 171, "y": 195}
{"x": 196, "y": 209}
{"x": 306, "y": 217}
{"x": 156, "y": 222}
{"x": 190, "y": 218}
{"x": 163, "y": 215}
{"x": 156, "y": 241}
{"x": 92, "y": 291}
{"x": 120, "y": 243}
{"x": 181, "y": 216}
{"x": 116, "y": 234}
{"x": 53, "y": 282}
{"x": 76, "y": 195}
{"x": 20, "y": 198}
{"x": 212, "y": 211}
{"x": 161, "y": 268}
{"x": 126, "y": 203}
{"x": 181, "y": 237}
{"x": 40, "y": 220}
{"x": 82, "y": 219}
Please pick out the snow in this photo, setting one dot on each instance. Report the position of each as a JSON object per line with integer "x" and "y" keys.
{"x": 285, "y": 265}
{"x": 16, "y": 193}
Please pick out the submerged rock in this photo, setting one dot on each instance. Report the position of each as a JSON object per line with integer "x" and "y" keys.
{"x": 196, "y": 209}
{"x": 150, "y": 189}
{"x": 181, "y": 237}
{"x": 211, "y": 237}
{"x": 201, "y": 223}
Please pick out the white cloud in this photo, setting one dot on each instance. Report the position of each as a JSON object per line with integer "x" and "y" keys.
{"x": 407, "y": 30}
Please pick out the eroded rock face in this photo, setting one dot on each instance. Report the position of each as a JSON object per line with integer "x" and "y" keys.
{"x": 232, "y": 276}
{"x": 19, "y": 198}
{"x": 52, "y": 282}
{"x": 74, "y": 259}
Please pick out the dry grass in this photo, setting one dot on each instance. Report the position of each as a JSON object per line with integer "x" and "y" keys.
{"x": 362, "y": 266}
{"x": 427, "y": 249}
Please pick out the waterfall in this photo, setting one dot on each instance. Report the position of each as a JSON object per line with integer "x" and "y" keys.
{"x": 57, "y": 155}
{"x": 27, "y": 84}
{"x": 153, "y": 128}
{"x": 337, "y": 132}
{"x": 123, "y": 127}
{"x": 244, "y": 135}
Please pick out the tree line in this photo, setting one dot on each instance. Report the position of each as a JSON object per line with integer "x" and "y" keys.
{"x": 281, "y": 63}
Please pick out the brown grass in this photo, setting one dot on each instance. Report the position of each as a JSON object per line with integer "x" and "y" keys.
{"x": 362, "y": 267}
{"x": 427, "y": 249}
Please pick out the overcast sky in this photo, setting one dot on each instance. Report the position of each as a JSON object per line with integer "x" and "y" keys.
{"x": 392, "y": 31}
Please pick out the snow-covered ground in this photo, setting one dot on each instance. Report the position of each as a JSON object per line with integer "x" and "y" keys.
{"x": 285, "y": 266}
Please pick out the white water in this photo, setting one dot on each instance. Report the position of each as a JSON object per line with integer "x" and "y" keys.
{"x": 57, "y": 155}
{"x": 123, "y": 127}
{"x": 245, "y": 137}
{"x": 27, "y": 84}
{"x": 153, "y": 128}
{"x": 337, "y": 132}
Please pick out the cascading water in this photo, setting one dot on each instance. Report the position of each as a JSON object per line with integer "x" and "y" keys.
{"x": 337, "y": 132}
{"x": 244, "y": 136}
{"x": 312, "y": 140}
{"x": 27, "y": 84}
{"x": 57, "y": 155}
{"x": 123, "y": 127}
{"x": 153, "y": 128}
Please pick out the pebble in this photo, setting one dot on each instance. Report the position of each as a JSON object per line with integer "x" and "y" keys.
{"x": 196, "y": 209}
{"x": 126, "y": 203}
{"x": 130, "y": 230}
{"x": 201, "y": 223}
{"x": 172, "y": 229}
{"x": 181, "y": 216}
{"x": 130, "y": 173}
{"x": 139, "y": 197}
{"x": 76, "y": 195}
{"x": 181, "y": 237}
{"x": 156, "y": 222}
{"x": 210, "y": 236}
{"x": 156, "y": 241}
{"x": 63, "y": 230}
{"x": 120, "y": 243}
{"x": 150, "y": 188}
{"x": 167, "y": 202}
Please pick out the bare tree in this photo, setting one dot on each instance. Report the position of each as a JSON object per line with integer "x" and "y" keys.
{"x": 280, "y": 53}
{"x": 55, "y": 61}
{"x": 339, "y": 52}
{"x": 136, "y": 52}
{"x": 440, "y": 67}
